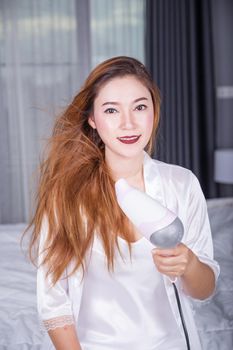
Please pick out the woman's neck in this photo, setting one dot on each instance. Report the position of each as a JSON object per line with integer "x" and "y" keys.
{"x": 129, "y": 169}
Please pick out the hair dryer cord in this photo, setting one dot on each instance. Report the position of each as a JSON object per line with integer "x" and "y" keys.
{"x": 181, "y": 316}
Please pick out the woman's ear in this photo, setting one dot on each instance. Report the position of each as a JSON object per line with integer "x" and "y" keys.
{"x": 91, "y": 121}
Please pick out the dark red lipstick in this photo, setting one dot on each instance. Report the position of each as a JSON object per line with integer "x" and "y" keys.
{"x": 129, "y": 139}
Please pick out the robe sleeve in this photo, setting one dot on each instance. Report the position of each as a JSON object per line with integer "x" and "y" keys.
{"x": 53, "y": 301}
{"x": 198, "y": 231}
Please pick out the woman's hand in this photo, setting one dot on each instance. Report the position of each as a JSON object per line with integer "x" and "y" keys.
{"x": 197, "y": 278}
{"x": 173, "y": 262}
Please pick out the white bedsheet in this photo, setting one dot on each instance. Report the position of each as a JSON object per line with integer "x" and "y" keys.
{"x": 19, "y": 324}
{"x": 214, "y": 318}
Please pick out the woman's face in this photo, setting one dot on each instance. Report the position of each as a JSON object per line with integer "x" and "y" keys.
{"x": 123, "y": 116}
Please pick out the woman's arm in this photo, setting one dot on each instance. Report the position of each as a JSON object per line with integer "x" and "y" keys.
{"x": 197, "y": 278}
{"x": 65, "y": 338}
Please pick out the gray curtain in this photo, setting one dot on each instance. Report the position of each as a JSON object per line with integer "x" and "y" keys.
{"x": 117, "y": 28}
{"x": 179, "y": 54}
{"x": 39, "y": 71}
{"x": 47, "y": 50}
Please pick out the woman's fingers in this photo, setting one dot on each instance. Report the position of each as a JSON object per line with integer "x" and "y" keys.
{"x": 172, "y": 262}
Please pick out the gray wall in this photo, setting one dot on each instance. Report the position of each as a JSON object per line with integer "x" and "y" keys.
{"x": 222, "y": 12}
{"x": 222, "y": 20}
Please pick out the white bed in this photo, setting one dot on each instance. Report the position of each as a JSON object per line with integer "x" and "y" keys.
{"x": 214, "y": 318}
{"x": 19, "y": 324}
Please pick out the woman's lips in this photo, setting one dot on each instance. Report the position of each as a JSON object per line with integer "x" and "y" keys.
{"x": 129, "y": 139}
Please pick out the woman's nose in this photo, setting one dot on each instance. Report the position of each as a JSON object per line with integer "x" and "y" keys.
{"x": 127, "y": 120}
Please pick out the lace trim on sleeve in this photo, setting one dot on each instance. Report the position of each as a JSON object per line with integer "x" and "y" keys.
{"x": 58, "y": 322}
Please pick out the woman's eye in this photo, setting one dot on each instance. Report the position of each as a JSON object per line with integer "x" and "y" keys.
{"x": 141, "y": 107}
{"x": 110, "y": 110}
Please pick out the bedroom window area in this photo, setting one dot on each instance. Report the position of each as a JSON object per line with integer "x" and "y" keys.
{"x": 117, "y": 28}
{"x": 47, "y": 50}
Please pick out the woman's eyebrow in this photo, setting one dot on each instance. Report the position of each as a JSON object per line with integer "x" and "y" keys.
{"x": 117, "y": 103}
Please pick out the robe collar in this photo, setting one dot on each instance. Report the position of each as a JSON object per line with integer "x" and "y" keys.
{"x": 152, "y": 179}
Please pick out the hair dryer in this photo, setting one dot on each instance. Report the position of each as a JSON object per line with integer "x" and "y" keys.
{"x": 154, "y": 221}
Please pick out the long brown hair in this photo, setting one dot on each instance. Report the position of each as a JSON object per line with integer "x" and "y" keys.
{"x": 75, "y": 182}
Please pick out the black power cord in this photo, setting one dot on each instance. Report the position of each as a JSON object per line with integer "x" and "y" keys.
{"x": 181, "y": 316}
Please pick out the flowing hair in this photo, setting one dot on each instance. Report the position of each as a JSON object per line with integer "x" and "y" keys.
{"x": 76, "y": 191}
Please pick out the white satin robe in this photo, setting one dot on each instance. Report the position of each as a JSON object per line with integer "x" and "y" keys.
{"x": 135, "y": 308}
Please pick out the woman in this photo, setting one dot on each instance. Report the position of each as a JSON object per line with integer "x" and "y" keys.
{"x": 101, "y": 285}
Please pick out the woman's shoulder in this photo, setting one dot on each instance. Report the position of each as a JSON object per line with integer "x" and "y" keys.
{"x": 170, "y": 171}
{"x": 172, "y": 178}
{"x": 179, "y": 180}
